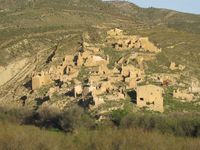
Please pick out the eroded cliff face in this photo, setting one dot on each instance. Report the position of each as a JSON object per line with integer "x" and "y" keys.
{"x": 10, "y": 71}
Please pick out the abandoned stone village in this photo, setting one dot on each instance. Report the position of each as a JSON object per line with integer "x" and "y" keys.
{"x": 87, "y": 78}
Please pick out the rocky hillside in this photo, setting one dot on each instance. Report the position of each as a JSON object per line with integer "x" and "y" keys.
{"x": 39, "y": 38}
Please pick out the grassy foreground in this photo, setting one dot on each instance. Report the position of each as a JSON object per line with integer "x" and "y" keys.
{"x": 16, "y": 137}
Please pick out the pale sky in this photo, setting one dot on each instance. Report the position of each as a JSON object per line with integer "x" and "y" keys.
{"x": 190, "y": 6}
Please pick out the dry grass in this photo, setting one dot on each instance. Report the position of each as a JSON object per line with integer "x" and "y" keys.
{"x": 15, "y": 137}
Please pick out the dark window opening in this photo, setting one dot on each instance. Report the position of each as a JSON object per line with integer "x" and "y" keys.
{"x": 142, "y": 99}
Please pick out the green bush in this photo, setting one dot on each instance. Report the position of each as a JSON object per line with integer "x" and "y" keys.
{"x": 75, "y": 118}
{"x": 178, "y": 124}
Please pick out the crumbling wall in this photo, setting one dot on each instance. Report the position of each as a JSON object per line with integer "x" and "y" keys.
{"x": 40, "y": 80}
{"x": 147, "y": 45}
{"x": 115, "y": 32}
{"x": 150, "y": 96}
{"x": 131, "y": 83}
{"x": 121, "y": 42}
{"x": 183, "y": 95}
{"x": 173, "y": 66}
{"x": 68, "y": 60}
{"x": 78, "y": 90}
{"x": 95, "y": 61}
{"x": 131, "y": 71}
{"x": 195, "y": 86}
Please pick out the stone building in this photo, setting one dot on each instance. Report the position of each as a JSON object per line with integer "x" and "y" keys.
{"x": 39, "y": 80}
{"x": 131, "y": 71}
{"x": 150, "y": 96}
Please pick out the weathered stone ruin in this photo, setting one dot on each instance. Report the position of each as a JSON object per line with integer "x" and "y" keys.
{"x": 132, "y": 72}
{"x": 173, "y": 66}
{"x": 150, "y": 96}
{"x": 95, "y": 61}
{"x": 131, "y": 83}
{"x": 115, "y": 32}
{"x": 195, "y": 86}
{"x": 165, "y": 79}
{"x": 98, "y": 101}
{"x": 183, "y": 95}
{"x": 39, "y": 80}
{"x": 121, "y": 42}
{"x": 102, "y": 84}
{"x": 78, "y": 90}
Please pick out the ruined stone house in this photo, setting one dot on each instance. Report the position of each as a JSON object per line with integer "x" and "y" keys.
{"x": 102, "y": 88}
{"x": 131, "y": 71}
{"x": 94, "y": 60}
{"x": 173, "y": 66}
{"x": 151, "y": 97}
{"x": 183, "y": 95}
{"x": 78, "y": 90}
{"x": 124, "y": 42}
{"x": 121, "y": 42}
{"x": 115, "y": 32}
{"x": 39, "y": 80}
{"x": 165, "y": 79}
{"x": 195, "y": 86}
{"x": 131, "y": 83}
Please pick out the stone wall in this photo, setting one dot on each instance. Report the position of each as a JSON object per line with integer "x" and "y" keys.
{"x": 150, "y": 96}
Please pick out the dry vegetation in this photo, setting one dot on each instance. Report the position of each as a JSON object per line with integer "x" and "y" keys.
{"x": 76, "y": 129}
{"x": 28, "y": 137}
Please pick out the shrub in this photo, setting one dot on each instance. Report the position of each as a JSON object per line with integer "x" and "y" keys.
{"x": 117, "y": 115}
{"x": 180, "y": 125}
{"x": 48, "y": 117}
{"x": 75, "y": 118}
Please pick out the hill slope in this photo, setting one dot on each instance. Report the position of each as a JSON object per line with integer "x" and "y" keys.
{"x": 76, "y": 49}
{"x": 33, "y": 30}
